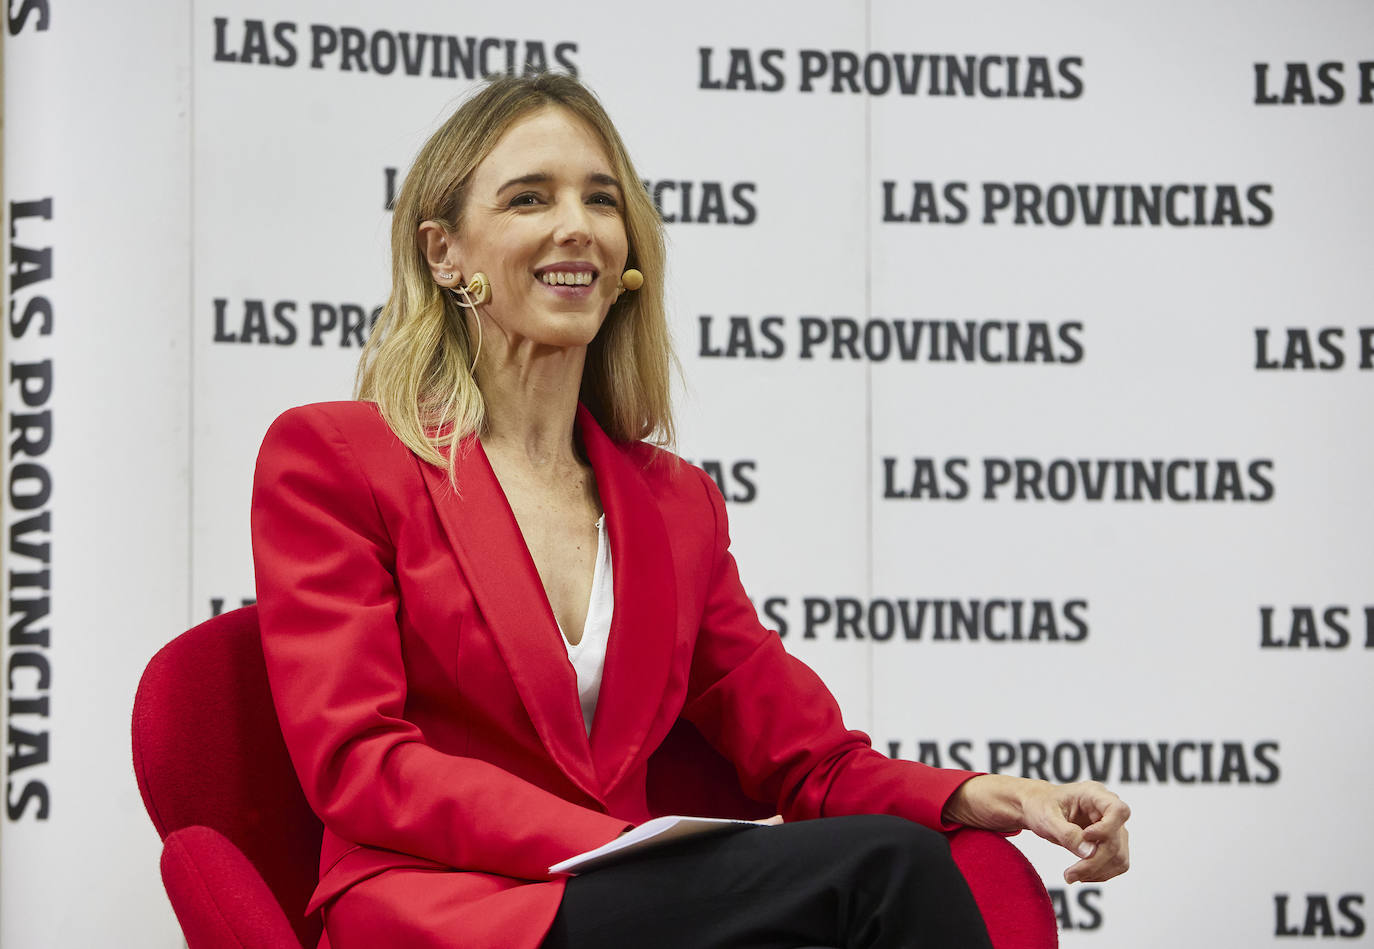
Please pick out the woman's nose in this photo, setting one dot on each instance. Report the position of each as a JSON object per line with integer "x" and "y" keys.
{"x": 572, "y": 222}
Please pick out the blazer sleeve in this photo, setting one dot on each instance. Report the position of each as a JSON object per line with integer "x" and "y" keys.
{"x": 775, "y": 720}
{"x": 327, "y": 601}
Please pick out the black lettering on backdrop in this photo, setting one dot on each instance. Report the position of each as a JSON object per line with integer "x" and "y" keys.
{"x": 773, "y": 617}
{"x": 28, "y": 664}
{"x": 704, "y": 202}
{"x": 1025, "y": 203}
{"x": 1175, "y": 204}
{"x": 1114, "y": 761}
{"x": 385, "y": 52}
{"x": 348, "y": 322}
{"x": 928, "y": 480}
{"x": 28, "y": 265}
{"x": 37, "y": 308}
{"x": 948, "y": 205}
{"x": 217, "y": 604}
{"x": 1298, "y": 84}
{"x": 740, "y": 71}
{"x": 929, "y": 752}
{"x": 1311, "y": 627}
{"x": 996, "y": 619}
{"x": 389, "y": 201}
{"x": 741, "y": 340}
{"x": 285, "y": 323}
{"x": 1305, "y": 348}
{"x": 256, "y": 43}
{"x": 1317, "y": 917}
{"x": 876, "y": 73}
{"x": 883, "y": 339}
{"x": 1301, "y": 83}
{"x": 1065, "y": 480}
{"x": 19, "y": 19}
{"x": 735, "y": 479}
{"x": 1077, "y": 909}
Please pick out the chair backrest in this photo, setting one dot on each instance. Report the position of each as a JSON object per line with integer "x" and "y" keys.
{"x": 208, "y": 751}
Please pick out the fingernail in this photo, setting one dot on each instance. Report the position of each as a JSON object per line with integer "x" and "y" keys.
{"x": 1085, "y": 850}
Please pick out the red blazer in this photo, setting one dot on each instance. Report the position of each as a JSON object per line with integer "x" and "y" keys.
{"x": 425, "y": 693}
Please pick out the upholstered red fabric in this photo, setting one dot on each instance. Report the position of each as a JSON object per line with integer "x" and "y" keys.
{"x": 1009, "y": 893}
{"x": 208, "y": 752}
{"x": 219, "y": 898}
{"x": 241, "y": 846}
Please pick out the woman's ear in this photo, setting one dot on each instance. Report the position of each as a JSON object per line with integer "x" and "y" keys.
{"x": 441, "y": 252}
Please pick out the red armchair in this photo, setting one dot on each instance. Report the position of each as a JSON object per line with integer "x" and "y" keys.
{"x": 241, "y": 845}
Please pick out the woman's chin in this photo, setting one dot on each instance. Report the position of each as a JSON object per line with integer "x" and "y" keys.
{"x": 571, "y": 329}
{"x": 565, "y": 337}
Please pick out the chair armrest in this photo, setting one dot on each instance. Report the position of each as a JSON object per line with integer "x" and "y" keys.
{"x": 219, "y": 898}
{"x": 1008, "y": 891}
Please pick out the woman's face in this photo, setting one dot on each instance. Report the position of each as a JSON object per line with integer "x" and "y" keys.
{"x": 543, "y": 220}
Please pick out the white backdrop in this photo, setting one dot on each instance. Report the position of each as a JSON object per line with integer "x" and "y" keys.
{"x": 1033, "y": 348}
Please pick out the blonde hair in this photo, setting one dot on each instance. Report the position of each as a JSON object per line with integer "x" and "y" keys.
{"x": 415, "y": 364}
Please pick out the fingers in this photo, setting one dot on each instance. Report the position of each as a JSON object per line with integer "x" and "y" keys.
{"x": 1069, "y": 836}
{"x": 1106, "y": 835}
{"x": 1110, "y": 857}
{"x": 1089, "y": 820}
{"x": 1113, "y": 818}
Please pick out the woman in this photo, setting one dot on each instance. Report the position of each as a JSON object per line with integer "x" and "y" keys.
{"x": 486, "y": 601}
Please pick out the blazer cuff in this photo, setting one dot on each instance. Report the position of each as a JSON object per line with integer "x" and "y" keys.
{"x": 953, "y": 780}
{"x": 587, "y": 831}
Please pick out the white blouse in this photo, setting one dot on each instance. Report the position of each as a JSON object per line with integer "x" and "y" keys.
{"x": 588, "y": 657}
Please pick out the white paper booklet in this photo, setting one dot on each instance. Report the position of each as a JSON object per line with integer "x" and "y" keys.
{"x": 650, "y": 834}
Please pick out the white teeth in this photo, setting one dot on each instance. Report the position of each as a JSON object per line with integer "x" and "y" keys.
{"x": 557, "y": 278}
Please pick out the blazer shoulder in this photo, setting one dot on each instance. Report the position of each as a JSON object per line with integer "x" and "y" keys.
{"x": 335, "y": 431}
{"x": 661, "y": 468}
{"x": 675, "y": 482}
{"x": 348, "y": 418}
{"x": 359, "y": 424}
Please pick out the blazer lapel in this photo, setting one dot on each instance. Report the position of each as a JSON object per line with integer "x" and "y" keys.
{"x": 493, "y": 556}
{"x": 644, "y": 623}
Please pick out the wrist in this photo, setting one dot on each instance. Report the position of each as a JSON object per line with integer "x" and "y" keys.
{"x": 991, "y": 802}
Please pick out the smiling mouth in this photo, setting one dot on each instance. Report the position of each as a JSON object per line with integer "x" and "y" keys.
{"x": 565, "y": 278}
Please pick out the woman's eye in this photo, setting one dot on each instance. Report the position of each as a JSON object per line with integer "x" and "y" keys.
{"x": 525, "y": 199}
{"x": 602, "y": 197}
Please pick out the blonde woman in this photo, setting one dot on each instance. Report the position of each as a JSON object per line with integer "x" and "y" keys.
{"x": 487, "y": 601}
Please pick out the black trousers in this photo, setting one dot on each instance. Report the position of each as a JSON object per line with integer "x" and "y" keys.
{"x": 873, "y": 882}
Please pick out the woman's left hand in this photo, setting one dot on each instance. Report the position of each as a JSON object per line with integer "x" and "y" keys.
{"x": 1084, "y": 818}
{"x": 1087, "y": 819}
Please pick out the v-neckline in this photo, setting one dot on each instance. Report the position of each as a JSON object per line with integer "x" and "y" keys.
{"x": 496, "y": 564}
{"x": 599, "y": 565}
{"x": 525, "y": 545}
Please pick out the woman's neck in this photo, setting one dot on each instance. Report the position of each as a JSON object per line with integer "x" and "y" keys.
{"x": 531, "y": 406}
